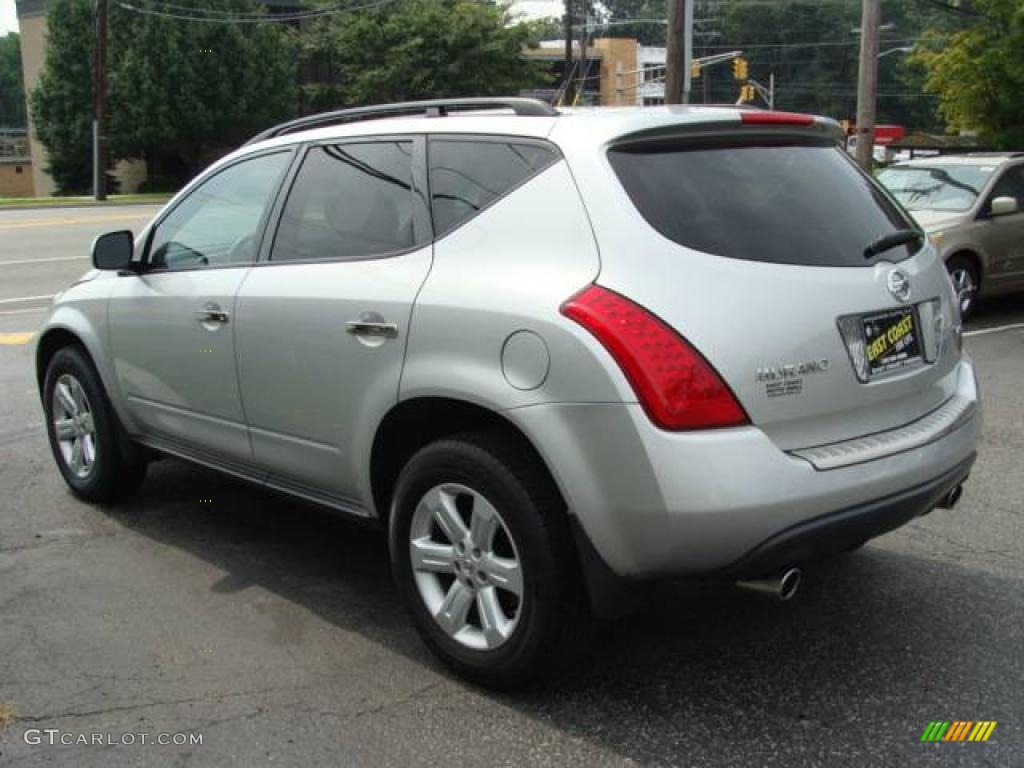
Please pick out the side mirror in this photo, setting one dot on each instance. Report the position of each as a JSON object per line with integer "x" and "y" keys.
{"x": 1003, "y": 205}
{"x": 113, "y": 250}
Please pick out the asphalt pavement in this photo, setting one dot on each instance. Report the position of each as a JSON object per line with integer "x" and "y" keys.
{"x": 207, "y": 607}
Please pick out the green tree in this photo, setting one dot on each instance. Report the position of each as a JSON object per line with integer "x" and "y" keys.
{"x": 12, "y": 94}
{"x": 643, "y": 20}
{"x": 183, "y": 92}
{"x": 418, "y": 49}
{"x": 180, "y": 91}
{"x": 62, "y": 101}
{"x": 979, "y": 74}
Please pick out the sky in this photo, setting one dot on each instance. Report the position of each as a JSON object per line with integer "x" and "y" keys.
{"x": 8, "y": 18}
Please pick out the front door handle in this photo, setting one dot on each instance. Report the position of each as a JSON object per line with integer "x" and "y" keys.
{"x": 368, "y": 328}
{"x": 212, "y": 313}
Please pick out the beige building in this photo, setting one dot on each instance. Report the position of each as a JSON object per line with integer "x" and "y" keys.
{"x": 615, "y": 71}
{"x": 32, "y": 30}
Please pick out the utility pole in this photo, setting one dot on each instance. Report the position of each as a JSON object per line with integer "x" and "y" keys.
{"x": 567, "y": 95}
{"x": 867, "y": 81}
{"x": 676, "y": 68}
{"x": 99, "y": 171}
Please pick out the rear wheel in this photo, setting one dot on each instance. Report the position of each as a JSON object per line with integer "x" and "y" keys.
{"x": 85, "y": 436}
{"x": 483, "y": 559}
{"x": 964, "y": 274}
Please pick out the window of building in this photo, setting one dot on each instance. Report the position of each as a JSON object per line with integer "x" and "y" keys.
{"x": 653, "y": 72}
{"x": 349, "y": 201}
{"x": 468, "y": 175}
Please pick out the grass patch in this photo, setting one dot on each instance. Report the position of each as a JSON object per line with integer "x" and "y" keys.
{"x": 45, "y": 202}
{"x": 6, "y": 714}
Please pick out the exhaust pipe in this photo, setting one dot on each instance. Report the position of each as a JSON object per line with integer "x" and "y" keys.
{"x": 782, "y": 586}
{"x": 951, "y": 498}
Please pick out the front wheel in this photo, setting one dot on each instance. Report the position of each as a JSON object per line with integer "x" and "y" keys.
{"x": 84, "y": 431}
{"x": 964, "y": 275}
{"x": 483, "y": 559}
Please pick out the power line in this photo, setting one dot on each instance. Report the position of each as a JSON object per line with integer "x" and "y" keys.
{"x": 740, "y": 46}
{"x": 253, "y": 19}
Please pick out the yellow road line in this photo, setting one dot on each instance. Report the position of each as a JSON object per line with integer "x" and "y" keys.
{"x": 12, "y": 339}
{"x": 79, "y": 220}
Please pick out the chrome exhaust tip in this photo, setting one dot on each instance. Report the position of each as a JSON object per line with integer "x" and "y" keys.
{"x": 951, "y": 498}
{"x": 783, "y": 586}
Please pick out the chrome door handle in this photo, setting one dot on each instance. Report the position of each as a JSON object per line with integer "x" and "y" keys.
{"x": 211, "y": 315}
{"x": 366, "y": 328}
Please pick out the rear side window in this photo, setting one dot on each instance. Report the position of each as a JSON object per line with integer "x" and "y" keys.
{"x": 468, "y": 175}
{"x": 349, "y": 201}
{"x": 783, "y": 203}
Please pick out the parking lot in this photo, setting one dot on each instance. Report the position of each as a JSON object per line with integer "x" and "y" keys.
{"x": 272, "y": 629}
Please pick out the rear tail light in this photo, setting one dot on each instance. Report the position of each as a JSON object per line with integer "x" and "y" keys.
{"x": 676, "y": 386}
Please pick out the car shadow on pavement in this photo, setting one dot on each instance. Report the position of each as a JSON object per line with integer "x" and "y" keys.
{"x": 876, "y": 644}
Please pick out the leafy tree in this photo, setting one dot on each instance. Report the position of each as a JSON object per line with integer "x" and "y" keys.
{"x": 641, "y": 14}
{"x": 62, "y": 103}
{"x": 12, "y": 94}
{"x": 412, "y": 49}
{"x": 182, "y": 91}
{"x": 979, "y": 74}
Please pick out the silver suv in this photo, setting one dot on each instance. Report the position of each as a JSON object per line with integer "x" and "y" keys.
{"x": 972, "y": 207}
{"x": 556, "y": 355}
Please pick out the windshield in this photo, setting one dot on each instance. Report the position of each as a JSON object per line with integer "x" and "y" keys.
{"x": 936, "y": 187}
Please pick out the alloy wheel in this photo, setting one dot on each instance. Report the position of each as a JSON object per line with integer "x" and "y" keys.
{"x": 466, "y": 566}
{"x": 74, "y": 426}
{"x": 963, "y": 283}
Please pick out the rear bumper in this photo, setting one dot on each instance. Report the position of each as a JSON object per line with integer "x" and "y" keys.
{"x": 656, "y": 504}
{"x": 840, "y": 531}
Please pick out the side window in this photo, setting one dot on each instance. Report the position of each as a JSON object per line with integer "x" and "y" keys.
{"x": 216, "y": 224}
{"x": 468, "y": 175}
{"x": 349, "y": 201}
{"x": 1011, "y": 184}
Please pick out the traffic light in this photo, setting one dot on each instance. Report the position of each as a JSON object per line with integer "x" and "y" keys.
{"x": 747, "y": 93}
{"x": 694, "y": 68}
{"x": 740, "y": 68}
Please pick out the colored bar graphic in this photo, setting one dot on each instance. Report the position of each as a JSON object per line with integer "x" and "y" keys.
{"x": 958, "y": 730}
{"x": 935, "y": 730}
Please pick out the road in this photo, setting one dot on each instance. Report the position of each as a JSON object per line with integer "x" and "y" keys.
{"x": 272, "y": 629}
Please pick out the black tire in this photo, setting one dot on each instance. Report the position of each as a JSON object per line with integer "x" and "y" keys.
{"x": 552, "y": 609}
{"x": 962, "y": 269}
{"x": 117, "y": 470}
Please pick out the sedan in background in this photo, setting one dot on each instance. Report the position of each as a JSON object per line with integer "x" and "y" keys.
{"x": 972, "y": 207}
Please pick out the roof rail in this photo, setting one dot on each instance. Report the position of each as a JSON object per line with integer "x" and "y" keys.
{"x": 430, "y": 108}
{"x": 1009, "y": 154}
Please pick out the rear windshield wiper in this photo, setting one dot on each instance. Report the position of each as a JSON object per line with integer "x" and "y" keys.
{"x": 886, "y": 242}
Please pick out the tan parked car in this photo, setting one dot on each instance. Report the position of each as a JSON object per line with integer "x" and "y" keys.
{"x": 972, "y": 207}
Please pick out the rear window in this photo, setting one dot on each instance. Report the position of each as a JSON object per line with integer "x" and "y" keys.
{"x": 784, "y": 203}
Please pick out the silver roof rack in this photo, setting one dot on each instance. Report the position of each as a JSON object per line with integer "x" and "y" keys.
{"x": 431, "y": 108}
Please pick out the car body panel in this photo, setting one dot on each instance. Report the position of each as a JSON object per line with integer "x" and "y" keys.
{"x": 657, "y": 503}
{"x": 183, "y": 386}
{"x": 313, "y": 392}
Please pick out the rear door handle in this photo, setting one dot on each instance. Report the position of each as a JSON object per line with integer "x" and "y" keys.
{"x": 368, "y": 328}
